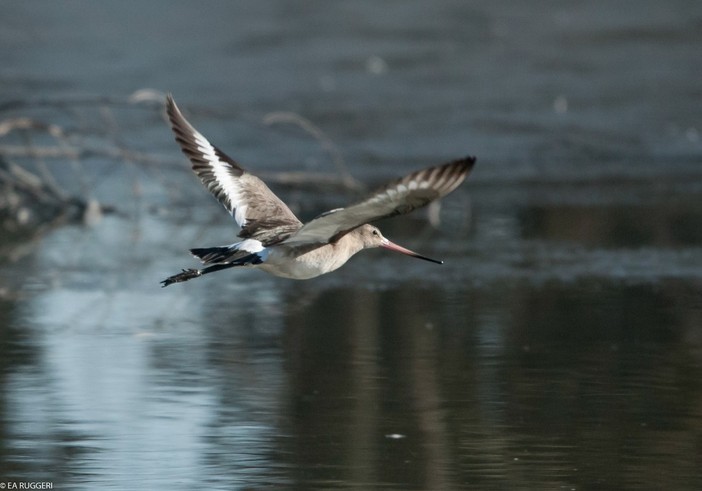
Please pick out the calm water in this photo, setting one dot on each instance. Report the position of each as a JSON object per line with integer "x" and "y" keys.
{"x": 559, "y": 347}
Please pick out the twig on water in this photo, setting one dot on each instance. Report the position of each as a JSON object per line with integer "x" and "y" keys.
{"x": 347, "y": 180}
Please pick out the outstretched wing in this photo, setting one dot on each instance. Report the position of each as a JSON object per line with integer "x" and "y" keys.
{"x": 259, "y": 212}
{"x": 395, "y": 198}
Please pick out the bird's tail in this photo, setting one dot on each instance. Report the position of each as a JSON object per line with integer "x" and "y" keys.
{"x": 213, "y": 255}
{"x": 233, "y": 259}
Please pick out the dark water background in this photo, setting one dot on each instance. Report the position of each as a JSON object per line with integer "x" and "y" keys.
{"x": 559, "y": 347}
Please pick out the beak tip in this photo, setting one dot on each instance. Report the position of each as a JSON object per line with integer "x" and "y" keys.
{"x": 394, "y": 247}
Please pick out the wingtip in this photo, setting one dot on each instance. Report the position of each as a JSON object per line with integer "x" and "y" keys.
{"x": 179, "y": 124}
{"x": 465, "y": 165}
{"x": 460, "y": 168}
{"x": 468, "y": 161}
{"x": 171, "y": 106}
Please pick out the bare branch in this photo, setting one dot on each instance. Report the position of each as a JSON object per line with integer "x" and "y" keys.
{"x": 327, "y": 144}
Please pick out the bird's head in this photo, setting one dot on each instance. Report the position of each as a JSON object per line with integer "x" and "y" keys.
{"x": 371, "y": 237}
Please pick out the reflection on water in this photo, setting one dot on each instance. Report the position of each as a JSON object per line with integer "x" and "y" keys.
{"x": 248, "y": 381}
{"x": 656, "y": 224}
{"x": 545, "y": 386}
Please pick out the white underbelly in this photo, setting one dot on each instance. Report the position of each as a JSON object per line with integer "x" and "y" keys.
{"x": 303, "y": 267}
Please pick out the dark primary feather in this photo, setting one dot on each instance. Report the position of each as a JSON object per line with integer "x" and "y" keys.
{"x": 260, "y": 213}
{"x": 395, "y": 198}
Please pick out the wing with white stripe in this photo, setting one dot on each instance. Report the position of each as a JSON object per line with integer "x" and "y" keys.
{"x": 252, "y": 204}
{"x": 396, "y": 198}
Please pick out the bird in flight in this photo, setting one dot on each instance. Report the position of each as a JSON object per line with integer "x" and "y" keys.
{"x": 273, "y": 239}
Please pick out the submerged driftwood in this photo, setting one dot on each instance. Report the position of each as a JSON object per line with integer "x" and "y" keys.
{"x": 30, "y": 195}
{"x": 28, "y": 200}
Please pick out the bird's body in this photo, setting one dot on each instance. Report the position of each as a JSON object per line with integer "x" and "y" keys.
{"x": 274, "y": 240}
{"x": 287, "y": 263}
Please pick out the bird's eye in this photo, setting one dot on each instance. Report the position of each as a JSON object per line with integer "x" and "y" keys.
{"x": 375, "y": 232}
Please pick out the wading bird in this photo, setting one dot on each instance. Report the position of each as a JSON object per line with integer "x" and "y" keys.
{"x": 274, "y": 240}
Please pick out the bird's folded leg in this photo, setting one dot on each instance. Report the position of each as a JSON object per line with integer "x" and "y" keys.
{"x": 185, "y": 275}
{"x": 189, "y": 274}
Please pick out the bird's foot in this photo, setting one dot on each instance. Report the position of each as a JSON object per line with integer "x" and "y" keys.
{"x": 185, "y": 275}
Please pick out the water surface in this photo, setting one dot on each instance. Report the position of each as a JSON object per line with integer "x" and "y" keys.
{"x": 559, "y": 347}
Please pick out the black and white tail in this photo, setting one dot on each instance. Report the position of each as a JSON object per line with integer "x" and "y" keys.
{"x": 219, "y": 258}
{"x": 228, "y": 253}
{"x": 212, "y": 255}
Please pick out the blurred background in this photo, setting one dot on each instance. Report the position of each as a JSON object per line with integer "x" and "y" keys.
{"x": 558, "y": 347}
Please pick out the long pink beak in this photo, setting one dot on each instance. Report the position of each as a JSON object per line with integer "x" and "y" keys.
{"x": 394, "y": 247}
